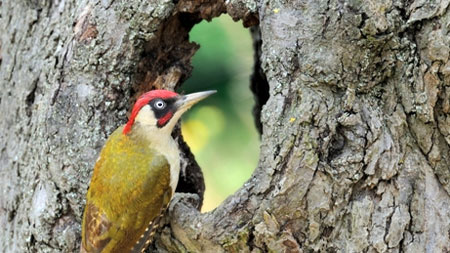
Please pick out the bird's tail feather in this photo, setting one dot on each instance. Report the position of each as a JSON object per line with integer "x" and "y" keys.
{"x": 147, "y": 236}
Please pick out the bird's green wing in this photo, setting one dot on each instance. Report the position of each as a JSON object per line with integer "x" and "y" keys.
{"x": 129, "y": 189}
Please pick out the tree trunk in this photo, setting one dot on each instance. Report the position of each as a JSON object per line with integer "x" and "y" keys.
{"x": 353, "y": 104}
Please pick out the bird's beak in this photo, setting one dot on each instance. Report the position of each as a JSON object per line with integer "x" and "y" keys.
{"x": 185, "y": 102}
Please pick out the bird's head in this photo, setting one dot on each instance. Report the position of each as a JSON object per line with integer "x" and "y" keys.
{"x": 161, "y": 109}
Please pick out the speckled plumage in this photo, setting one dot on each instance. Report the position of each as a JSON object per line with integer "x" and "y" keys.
{"x": 127, "y": 192}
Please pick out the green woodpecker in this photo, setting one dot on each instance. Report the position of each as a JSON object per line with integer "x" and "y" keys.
{"x": 136, "y": 175}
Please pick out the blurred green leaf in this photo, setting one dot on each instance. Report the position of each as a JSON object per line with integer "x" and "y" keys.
{"x": 220, "y": 130}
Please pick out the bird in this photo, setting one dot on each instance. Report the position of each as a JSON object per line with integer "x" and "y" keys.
{"x": 135, "y": 176}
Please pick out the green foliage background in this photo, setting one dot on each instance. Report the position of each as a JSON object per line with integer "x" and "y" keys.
{"x": 220, "y": 130}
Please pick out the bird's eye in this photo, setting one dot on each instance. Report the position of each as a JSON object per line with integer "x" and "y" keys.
{"x": 160, "y": 104}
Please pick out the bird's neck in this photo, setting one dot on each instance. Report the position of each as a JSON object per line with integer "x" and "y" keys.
{"x": 156, "y": 136}
{"x": 163, "y": 143}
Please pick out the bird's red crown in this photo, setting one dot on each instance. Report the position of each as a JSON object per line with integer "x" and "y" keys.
{"x": 143, "y": 100}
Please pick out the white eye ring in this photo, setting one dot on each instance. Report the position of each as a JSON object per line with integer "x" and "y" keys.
{"x": 160, "y": 104}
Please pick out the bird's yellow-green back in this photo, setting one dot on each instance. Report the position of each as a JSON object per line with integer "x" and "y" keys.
{"x": 127, "y": 192}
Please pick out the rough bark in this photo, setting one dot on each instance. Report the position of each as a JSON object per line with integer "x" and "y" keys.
{"x": 353, "y": 100}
